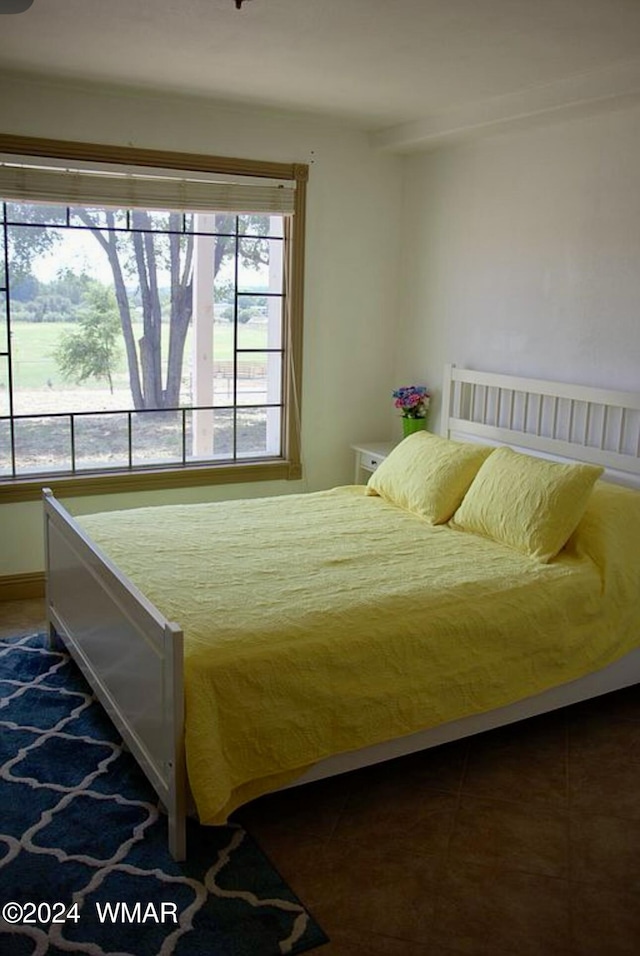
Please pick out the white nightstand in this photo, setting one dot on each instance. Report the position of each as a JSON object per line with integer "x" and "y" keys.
{"x": 368, "y": 457}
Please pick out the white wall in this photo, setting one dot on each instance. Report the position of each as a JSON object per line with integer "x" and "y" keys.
{"x": 522, "y": 254}
{"x": 351, "y": 274}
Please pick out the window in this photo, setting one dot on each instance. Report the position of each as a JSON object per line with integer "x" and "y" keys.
{"x": 150, "y": 318}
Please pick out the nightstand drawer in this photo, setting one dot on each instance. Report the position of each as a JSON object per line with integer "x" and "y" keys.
{"x": 370, "y": 462}
{"x": 368, "y": 456}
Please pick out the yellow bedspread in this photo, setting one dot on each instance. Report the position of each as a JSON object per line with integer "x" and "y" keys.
{"x": 321, "y": 623}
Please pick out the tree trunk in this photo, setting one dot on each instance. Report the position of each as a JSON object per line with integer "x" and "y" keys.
{"x": 180, "y": 316}
{"x": 110, "y": 247}
{"x": 151, "y": 342}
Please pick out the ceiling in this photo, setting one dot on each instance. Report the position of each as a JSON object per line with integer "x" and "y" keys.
{"x": 397, "y": 67}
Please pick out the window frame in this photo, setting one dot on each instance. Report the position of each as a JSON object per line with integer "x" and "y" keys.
{"x": 285, "y": 467}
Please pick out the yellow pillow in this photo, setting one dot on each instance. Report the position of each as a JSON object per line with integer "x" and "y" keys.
{"x": 528, "y": 503}
{"x": 428, "y": 475}
{"x": 609, "y": 533}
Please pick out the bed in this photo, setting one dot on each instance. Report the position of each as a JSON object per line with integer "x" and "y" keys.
{"x": 317, "y": 662}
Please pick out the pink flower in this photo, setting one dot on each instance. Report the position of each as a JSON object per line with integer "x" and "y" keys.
{"x": 413, "y": 400}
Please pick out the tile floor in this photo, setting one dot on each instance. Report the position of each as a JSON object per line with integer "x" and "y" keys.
{"x": 520, "y": 842}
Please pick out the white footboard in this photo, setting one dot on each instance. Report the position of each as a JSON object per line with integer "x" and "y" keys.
{"x": 129, "y": 653}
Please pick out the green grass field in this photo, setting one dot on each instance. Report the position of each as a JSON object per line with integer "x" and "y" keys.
{"x": 101, "y": 440}
{"x": 34, "y": 345}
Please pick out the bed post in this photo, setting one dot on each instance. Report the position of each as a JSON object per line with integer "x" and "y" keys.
{"x": 445, "y": 413}
{"x": 46, "y": 495}
{"x": 101, "y": 619}
{"x": 177, "y": 803}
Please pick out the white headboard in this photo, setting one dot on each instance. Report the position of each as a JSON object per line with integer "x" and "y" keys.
{"x": 550, "y": 419}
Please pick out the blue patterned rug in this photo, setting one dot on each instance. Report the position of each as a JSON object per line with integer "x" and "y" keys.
{"x": 84, "y": 866}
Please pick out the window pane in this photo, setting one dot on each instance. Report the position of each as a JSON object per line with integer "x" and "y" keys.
{"x": 259, "y": 378}
{"x": 3, "y": 274}
{"x": 5, "y": 449}
{"x": 209, "y": 434}
{"x": 224, "y": 224}
{"x": 253, "y": 265}
{"x": 62, "y": 361}
{"x": 199, "y": 434}
{"x": 211, "y": 223}
{"x": 95, "y": 217}
{"x": 259, "y": 321}
{"x": 4, "y": 341}
{"x": 37, "y": 382}
{"x": 255, "y": 225}
{"x": 259, "y": 432}
{"x": 223, "y": 426}
{"x": 42, "y": 444}
{"x": 224, "y": 294}
{"x": 156, "y": 438}
{"x": 260, "y": 265}
{"x": 156, "y": 220}
{"x": 46, "y": 215}
{"x": 223, "y": 387}
{"x": 5, "y": 406}
{"x": 101, "y": 441}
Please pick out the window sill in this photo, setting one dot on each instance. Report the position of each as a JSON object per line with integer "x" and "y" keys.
{"x": 103, "y": 483}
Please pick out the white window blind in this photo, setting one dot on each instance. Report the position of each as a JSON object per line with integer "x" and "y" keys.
{"x": 143, "y": 189}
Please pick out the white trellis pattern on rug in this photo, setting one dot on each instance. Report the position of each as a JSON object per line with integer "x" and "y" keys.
{"x": 42, "y": 713}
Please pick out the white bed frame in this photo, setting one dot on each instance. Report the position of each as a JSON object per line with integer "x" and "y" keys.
{"x": 133, "y": 657}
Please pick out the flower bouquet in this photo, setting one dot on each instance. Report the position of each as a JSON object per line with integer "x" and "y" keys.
{"x": 413, "y": 401}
